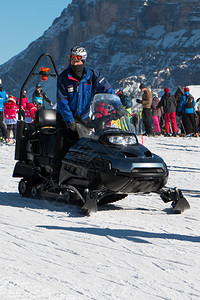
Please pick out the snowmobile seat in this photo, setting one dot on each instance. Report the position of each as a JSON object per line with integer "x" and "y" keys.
{"x": 43, "y": 142}
{"x": 29, "y": 129}
{"x": 45, "y": 118}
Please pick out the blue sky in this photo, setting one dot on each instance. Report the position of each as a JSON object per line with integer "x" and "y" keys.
{"x": 23, "y": 21}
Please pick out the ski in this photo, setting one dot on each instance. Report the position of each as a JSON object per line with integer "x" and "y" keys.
{"x": 179, "y": 202}
{"x": 90, "y": 205}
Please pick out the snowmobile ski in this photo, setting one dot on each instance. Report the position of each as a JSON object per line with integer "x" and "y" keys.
{"x": 179, "y": 202}
{"x": 90, "y": 205}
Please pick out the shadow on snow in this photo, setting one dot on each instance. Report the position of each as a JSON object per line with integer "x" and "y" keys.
{"x": 73, "y": 210}
{"x": 130, "y": 235}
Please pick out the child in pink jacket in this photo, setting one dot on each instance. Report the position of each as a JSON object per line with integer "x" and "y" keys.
{"x": 24, "y": 102}
{"x": 156, "y": 114}
{"x": 10, "y": 110}
{"x": 30, "y": 110}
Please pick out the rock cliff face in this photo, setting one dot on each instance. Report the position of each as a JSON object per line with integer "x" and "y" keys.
{"x": 157, "y": 42}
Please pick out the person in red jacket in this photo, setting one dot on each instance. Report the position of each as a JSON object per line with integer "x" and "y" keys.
{"x": 168, "y": 102}
{"x": 24, "y": 102}
{"x": 30, "y": 110}
{"x": 10, "y": 110}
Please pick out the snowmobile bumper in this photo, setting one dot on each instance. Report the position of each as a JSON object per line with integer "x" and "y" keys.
{"x": 143, "y": 179}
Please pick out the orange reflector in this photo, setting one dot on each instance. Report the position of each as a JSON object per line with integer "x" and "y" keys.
{"x": 44, "y": 73}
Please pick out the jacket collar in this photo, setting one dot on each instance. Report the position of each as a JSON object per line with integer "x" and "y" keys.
{"x": 85, "y": 77}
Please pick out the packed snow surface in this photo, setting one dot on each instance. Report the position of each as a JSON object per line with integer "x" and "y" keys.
{"x": 135, "y": 248}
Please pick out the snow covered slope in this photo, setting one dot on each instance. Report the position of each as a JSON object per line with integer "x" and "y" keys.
{"x": 133, "y": 249}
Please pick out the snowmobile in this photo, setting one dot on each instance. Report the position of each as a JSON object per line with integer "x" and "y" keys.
{"x": 105, "y": 165}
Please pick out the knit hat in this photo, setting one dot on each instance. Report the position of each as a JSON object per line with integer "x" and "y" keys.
{"x": 12, "y": 98}
{"x": 166, "y": 90}
{"x": 142, "y": 86}
{"x": 186, "y": 89}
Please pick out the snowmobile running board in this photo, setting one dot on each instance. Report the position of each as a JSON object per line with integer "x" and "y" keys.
{"x": 89, "y": 204}
{"x": 179, "y": 202}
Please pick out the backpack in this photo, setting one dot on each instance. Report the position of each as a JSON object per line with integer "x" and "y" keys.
{"x": 189, "y": 101}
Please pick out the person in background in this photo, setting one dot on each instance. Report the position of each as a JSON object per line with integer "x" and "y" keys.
{"x": 198, "y": 105}
{"x": 146, "y": 109}
{"x": 30, "y": 110}
{"x": 128, "y": 104}
{"x": 188, "y": 111}
{"x": 41, "y": 94}
{"x": 125, "y": 100}
{"x": 38, "y": 102}
{"x": 156, "y": 114}
{"x": 76, "y": 86}
{"x": 10, "y": 110}
{"x": 24, "y": 102}
{"x": 198, "y": 113}
{"x": 3, "y": 98}
{"x": 168, "y": 102}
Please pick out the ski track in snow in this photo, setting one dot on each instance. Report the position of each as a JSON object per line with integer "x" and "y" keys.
{"x": 135, "y": 248}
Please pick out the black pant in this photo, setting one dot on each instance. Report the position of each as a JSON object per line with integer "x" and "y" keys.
{"x": 2, "y": 125}
{"x": 13, "y": 128}
{"x": 188, "y": 120}
{"x": 147, "y": 119}
{"x": 65, "y": 138}
{"x": 198, "y": 120}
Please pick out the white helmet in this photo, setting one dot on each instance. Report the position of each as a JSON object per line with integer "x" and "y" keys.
{"x": 0, "y": 82}
{"x": 79, "y": 51}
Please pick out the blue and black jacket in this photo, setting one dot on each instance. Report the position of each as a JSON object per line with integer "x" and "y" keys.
{"x": 182, "y": 105}
{"x": 74, "y": 97}
{"x": 3, "y": 97}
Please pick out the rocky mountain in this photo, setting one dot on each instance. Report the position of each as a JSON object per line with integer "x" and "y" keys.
{"x": 129, "y": 41}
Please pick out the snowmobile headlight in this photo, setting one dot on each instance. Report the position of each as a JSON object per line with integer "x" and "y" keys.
{"x": 123, "y": 140}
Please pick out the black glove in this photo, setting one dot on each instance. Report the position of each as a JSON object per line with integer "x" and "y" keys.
{"x": 73, "y": 126}
{"x": 138, "y": 101}
{"x": 198, "y": 100}
{"x": 120, "y": 111}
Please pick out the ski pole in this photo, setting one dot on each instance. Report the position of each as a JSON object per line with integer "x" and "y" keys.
{"x": 141, "y": 123}
{"x": 183, "y": 126}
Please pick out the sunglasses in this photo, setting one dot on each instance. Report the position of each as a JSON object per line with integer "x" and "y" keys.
{"x": 75, "y": 57}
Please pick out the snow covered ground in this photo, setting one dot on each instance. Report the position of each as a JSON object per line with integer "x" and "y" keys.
{"x": 133, "y": 249}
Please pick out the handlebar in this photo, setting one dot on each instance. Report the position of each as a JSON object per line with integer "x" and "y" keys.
{"x": 100, "y": 123}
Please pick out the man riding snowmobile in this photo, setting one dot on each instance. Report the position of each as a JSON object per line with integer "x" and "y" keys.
{"x": 75, "y": 89}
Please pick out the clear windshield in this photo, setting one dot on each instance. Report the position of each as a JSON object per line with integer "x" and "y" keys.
{"x": 107, "y": 101}
{"x": 104, "y": 114}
